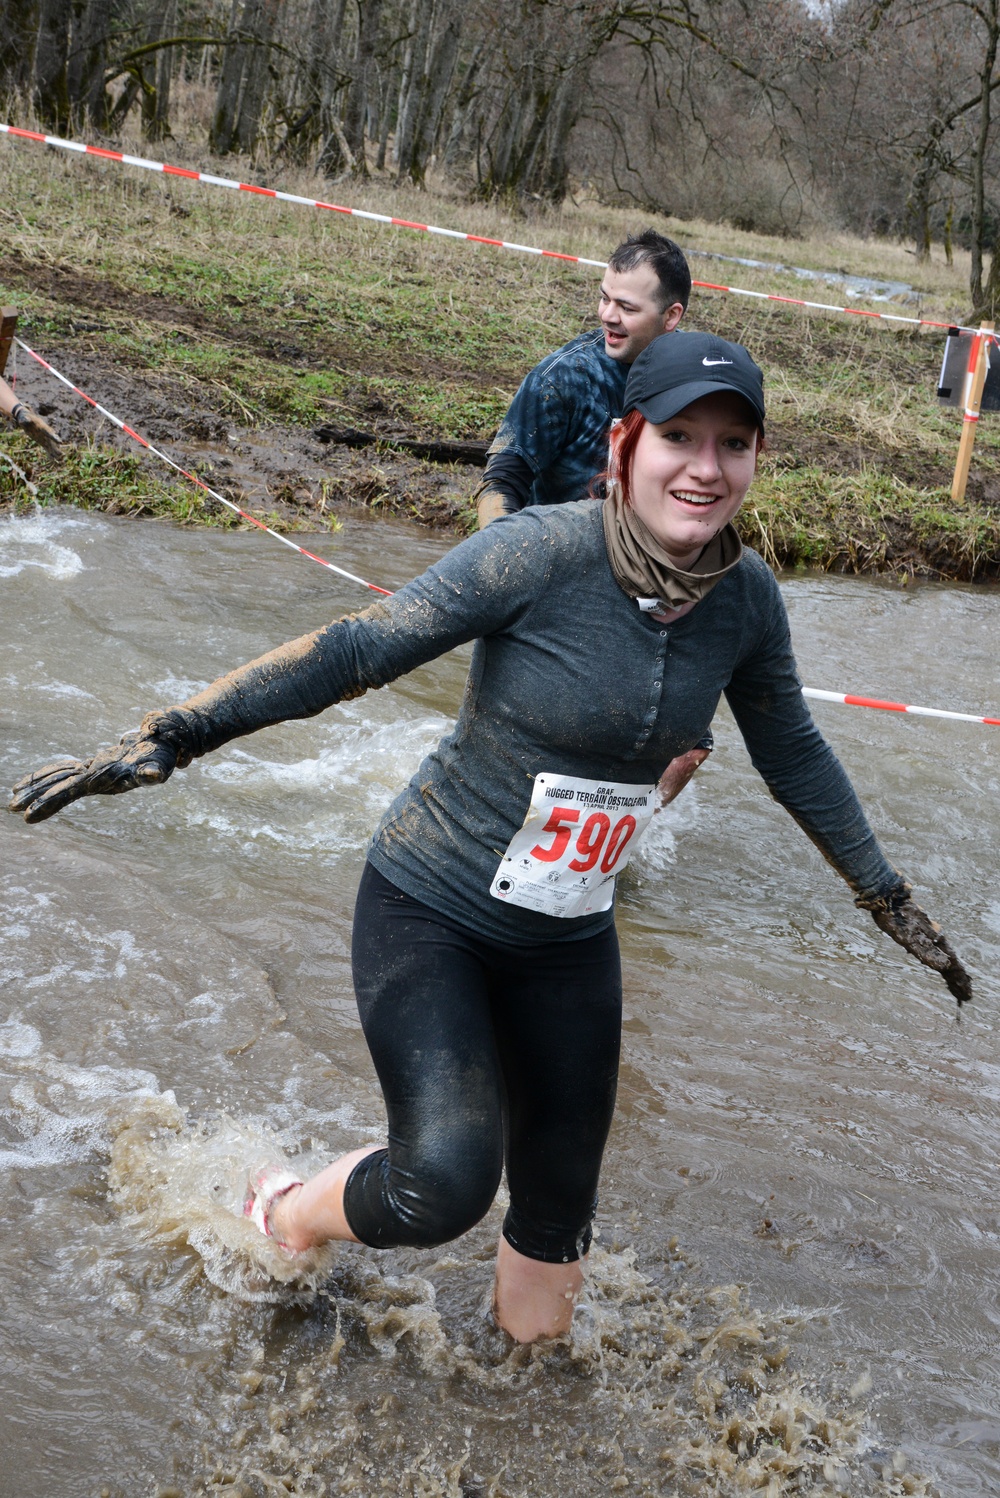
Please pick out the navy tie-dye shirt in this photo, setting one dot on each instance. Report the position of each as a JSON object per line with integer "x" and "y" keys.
{"x": 559, "y": 419}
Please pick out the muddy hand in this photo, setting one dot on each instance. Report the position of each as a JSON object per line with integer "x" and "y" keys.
{"x": 677, "y": 774}
{"x": 137, "y": 759}
{"x": 903, "y": 920}
{"x": 33, "y": 425}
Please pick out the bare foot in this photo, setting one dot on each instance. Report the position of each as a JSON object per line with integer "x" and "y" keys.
{"x": 285, "y": 1230}
{"x": 304, "y": 1216}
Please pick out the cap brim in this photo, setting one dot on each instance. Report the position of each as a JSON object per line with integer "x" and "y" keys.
{"x": 659, "y": 408}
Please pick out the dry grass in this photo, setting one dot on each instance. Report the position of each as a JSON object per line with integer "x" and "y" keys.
{"x": 270, "y": 312}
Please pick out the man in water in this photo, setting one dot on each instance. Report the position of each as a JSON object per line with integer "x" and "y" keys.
{"x": 554, "y": 439}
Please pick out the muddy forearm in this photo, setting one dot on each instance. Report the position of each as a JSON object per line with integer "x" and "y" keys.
{"x": 293, "y": 681}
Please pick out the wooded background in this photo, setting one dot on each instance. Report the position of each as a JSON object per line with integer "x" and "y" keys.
{"x": 874, "y": 116}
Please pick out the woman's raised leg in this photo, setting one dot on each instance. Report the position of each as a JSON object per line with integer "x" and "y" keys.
{"x": 313, "y": 1213}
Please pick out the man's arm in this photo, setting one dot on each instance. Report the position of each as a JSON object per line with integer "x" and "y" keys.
{"x": 531, "y": 437}
{"x": 504, "y": 488}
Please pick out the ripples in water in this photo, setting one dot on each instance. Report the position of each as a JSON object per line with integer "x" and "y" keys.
{"x": 799, "y": 1114}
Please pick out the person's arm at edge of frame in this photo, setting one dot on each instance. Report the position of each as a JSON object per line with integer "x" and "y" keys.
{"x": 29, "y": 421}
{"x": 531, "y": 436}
{"x": 463, "y": 597}
{"x": 802, "y": 772}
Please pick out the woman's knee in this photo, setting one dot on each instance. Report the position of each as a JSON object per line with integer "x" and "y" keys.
{"x": 420, "y": 1204}
{"x": 444, "y": 1204}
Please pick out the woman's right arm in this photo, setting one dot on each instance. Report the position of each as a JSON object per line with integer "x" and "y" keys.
{"x": 476, "y": 589}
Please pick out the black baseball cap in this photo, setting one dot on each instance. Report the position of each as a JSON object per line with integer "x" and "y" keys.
{"x": 678, "y": 368}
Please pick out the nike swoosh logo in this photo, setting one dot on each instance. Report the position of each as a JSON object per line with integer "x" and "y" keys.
{"x": 716, "y": 361}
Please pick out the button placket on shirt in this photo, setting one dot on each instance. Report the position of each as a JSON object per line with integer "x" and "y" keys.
{"x": 655, "y": 692}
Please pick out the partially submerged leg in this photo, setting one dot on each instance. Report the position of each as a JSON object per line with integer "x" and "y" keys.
{"x": 532, "y": 1299}
{"x": 558, "y": 1025}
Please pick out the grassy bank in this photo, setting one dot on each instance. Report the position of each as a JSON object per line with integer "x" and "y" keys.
{"x": 229, "y": 328}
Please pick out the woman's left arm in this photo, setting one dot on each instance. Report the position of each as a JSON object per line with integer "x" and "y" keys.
{"x": 803, "y": 773}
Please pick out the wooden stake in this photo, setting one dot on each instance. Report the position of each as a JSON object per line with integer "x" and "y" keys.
{"x": 975, "y": 379}
{"x": 8, "y": 323}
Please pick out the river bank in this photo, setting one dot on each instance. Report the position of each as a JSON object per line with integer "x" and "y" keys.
{"x": 306, "y": 365}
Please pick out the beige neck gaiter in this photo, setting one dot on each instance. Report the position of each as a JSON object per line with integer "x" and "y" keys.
{"x": 642, "y": 568}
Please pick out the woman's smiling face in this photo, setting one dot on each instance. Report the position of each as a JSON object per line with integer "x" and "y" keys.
{"x": 691, "y": 474}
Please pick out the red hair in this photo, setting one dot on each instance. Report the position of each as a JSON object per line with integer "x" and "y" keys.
{"x": 622, "y": 440}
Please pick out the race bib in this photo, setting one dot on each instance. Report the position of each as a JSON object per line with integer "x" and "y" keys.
{"x": 578, "y": 835}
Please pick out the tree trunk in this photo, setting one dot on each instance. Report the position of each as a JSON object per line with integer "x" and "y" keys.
{"x": 436, "y": 83}
{"x": 919, "y": 211}
{"x": 255, "y": 75}
{"x": 328, "y": 84}
{"x": 51, "y": 87}
{"x": 227, "y": 98}
{"x": 503, "y": 150}
{"x": 548, "y": 173}
{"x": 88, "y": 96}
{"x": 989, "y": 15}
{"x": 19, "y": 28}
{"x": 990, "y": 301}
{"x": 410, "y": 112}
{"x": 530, "y": 147}
{"x": 156, "y": 95}
{"x": 390, "y": 92}
{"x": 463, "y": 107}
{"x": 356, "y": 107}
{"x": 409, "y": 62}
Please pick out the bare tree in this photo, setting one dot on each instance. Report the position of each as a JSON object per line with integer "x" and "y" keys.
{"x": 345, "y": 146}
{"x": 51, "y": 70}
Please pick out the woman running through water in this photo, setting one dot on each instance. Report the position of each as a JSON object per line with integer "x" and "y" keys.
{"x": 484, "y": 953}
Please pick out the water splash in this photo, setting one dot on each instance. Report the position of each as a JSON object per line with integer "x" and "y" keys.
{"x": 29, "y": 541}
{"x": 663, "y": 1386}
{"x": 181, "y": 1181}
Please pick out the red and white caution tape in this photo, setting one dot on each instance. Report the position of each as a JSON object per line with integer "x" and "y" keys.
{"x": 245, "y": 514}
{"x": 895, "y": 707}
{"x": 813, "y": 692}
{"x": 209, "y": 180}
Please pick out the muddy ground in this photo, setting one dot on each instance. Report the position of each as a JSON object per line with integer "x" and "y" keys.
{"x": 300, "y": 474}
{"x": 367, "y": 457}
{"x": 279, "y": 470}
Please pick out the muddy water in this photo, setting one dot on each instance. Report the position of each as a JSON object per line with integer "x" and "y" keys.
{"x": 795, "y": 1285}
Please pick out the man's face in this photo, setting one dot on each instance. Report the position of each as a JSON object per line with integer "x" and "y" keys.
{"x": 632, "y": 313}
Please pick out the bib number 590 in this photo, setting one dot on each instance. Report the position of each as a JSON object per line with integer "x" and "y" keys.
{"x": 596, "y": 835}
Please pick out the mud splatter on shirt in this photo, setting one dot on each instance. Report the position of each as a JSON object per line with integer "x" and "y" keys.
{"x": 568, "y": 677}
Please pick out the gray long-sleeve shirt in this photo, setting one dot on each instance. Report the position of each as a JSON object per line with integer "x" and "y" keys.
{"x": 568, "y": 677}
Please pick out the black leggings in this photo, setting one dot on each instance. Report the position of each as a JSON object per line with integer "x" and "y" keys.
{"x": 488, "y": 1055}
